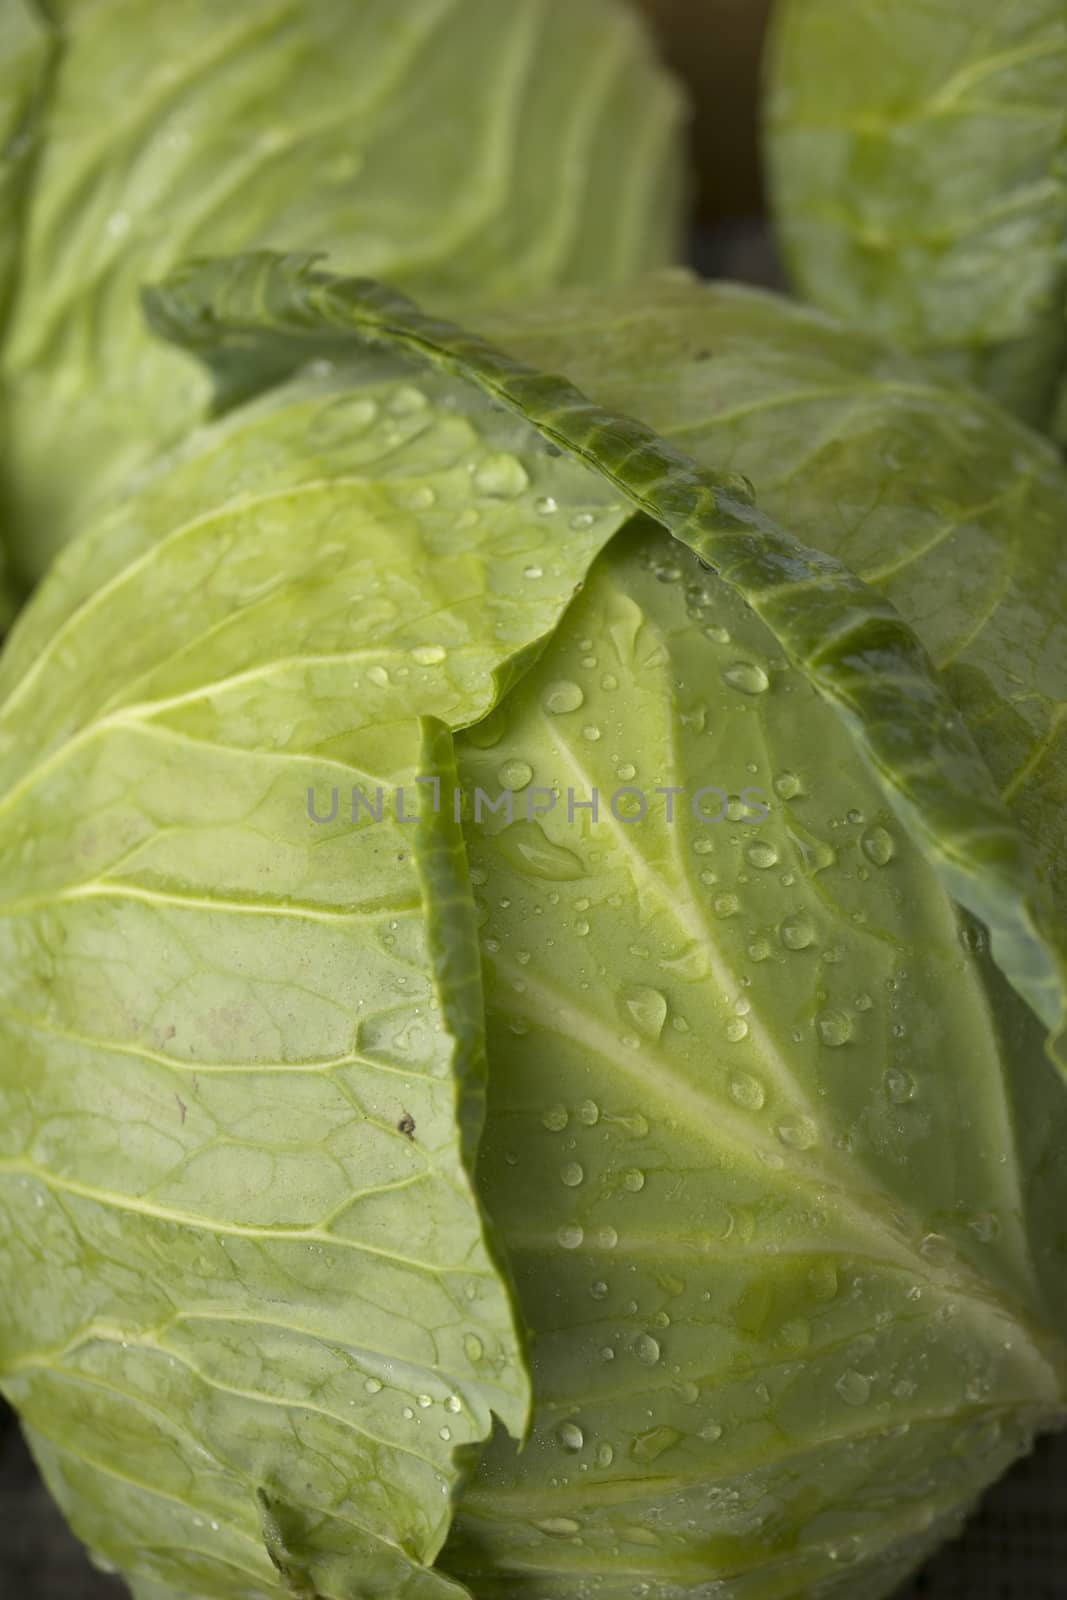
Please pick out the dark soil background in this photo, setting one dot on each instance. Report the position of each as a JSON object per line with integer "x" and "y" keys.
{"x": 1015, "y": 1548}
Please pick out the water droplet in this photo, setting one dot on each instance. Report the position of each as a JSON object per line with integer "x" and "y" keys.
{"x": 570, "y": 1436}
{"x": 646, "y": 1349}
{"x": 796, "y": 932}
{"x": 570, "y": 1235}
{"x": 834, "y": 1028}
{"x": 607, "y": 1238}
{"x": 445, "y": 1434}
{"x": 591, "y": 732}
{"x": 656, "y": 1442}
{"x": 454, "y": 1404}
{"x": 736, "y": 1030}
{"x": 378, "y": 675}
{"x": 473, "y": 1346}
{"x": 822, "y": 1281}
{"x": 726, "y": 905}
{"x": 899, "y": 1086}
{"x": 738, "y": 487}
{"x": 583, "y": 519}
{"x": 556, "y": 1118}
{"x": 799, "y": 1134}
{"x": 527, "y": 847}
{"x": 717, "y": 633}
{"x": 501, "y": 477}
{"x": 515, "y": 775}
{"x": 407, "y": 400}
{"x": 712, "y": 1432}
{"x": 373, "y": 1386}
{"x": 562, "y": 696}
{"x": 559, "y": 1527}
{"x": 853, "y": 1387}
{"x": 572, "y": 1174}
{"x": 634, "y": 1179}
{"x": 599, "y": 1289}
{"x": 428, "y": 655}
{"x": 877, "y": 845}
{"x": 589, "y": 1113}
{"x": 759, "y": 950}
{"x": 533, "y": 572}
{"x": 646, "y": 1008}
{"x": 424, "y": 1401}
{"x": 787, "y": 785}
{"x": 546, "y": 505}
{"x": 761, "y": 854}
{"x": 421, "y": 499}
{"x": 747, "y": 1091}
{"x": 605, "y": 1455}
{"x": 748, "y": 676}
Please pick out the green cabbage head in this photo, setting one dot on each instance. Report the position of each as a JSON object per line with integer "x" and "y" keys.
{"x": 513, "y": 936}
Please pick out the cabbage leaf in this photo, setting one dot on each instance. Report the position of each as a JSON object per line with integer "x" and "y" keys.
{"x": 770, "y": 1160}
{"x": 311, "y": 125}
{"x": 918, "y": 160}
{"x": 259, "y": 1310}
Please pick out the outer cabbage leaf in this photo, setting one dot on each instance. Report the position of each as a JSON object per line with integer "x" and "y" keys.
{"x": 851, "y": 644}
{"x": 24, "y": 62}
{"x": 926, "y": 491}
{"x": 313, "y": 124}
{"x": 259, "y": 1326}
{"x": 918, "y": 159}
{"x": 795, "y": 1273}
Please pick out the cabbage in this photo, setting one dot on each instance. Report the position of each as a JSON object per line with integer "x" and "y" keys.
{"x": 918, "y": 156}
{"x": 457, "y": 147}
{"x": 710, "y": 1142}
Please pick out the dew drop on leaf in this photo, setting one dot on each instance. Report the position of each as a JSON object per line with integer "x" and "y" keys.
{"x": 799, "y": 1134}
{"x": 853, "y": 1387}
{"x": 560, "y": 1527}
{"x": 528, "y": 848}
{"x": 572, "y": 1174}
{"x": 562, "y": 696}
{"x": 899, "y": 1086}
{"x": 748, "y": 676}
{"x": 646, "y": 1008}
{"x": 834, "y": 1028}
{"x": 570, "y": 1436}
{"x": 877, "y": 845}
{"x": 501, "y": 476}
{"x": 655, "y": 1443}
{"x": 747, "y": 1091}
{"x": 646, "y": 1349}
{"x": 796, "y": 932}
{"x": 515, "y": 775}
{"x": 761, "y": 854}
{"x": 634, "y": 1179}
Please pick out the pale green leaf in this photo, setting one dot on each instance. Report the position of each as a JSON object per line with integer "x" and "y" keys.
{"x": 257, "y": 1308}
{"x": 917, "y": 152}
{"x": 313, "y": 125}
